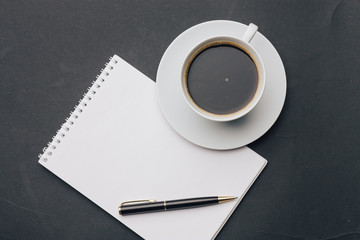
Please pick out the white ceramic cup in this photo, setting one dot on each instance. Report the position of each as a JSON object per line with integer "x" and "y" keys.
{"x": 245, "y": 44}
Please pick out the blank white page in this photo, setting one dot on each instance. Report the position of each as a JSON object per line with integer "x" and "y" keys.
{"x": 119, "y": 147}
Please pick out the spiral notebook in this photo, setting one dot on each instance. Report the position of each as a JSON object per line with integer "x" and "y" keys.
{"x": 116, "y": 146}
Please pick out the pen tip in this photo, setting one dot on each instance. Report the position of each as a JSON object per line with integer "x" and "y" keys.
{"x": 222, "y": 199}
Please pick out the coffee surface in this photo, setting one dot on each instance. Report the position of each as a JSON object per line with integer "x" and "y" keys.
{"x": 222, "y": 79}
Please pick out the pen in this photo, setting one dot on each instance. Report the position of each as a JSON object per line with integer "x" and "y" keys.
{"x": 146, "y": 206}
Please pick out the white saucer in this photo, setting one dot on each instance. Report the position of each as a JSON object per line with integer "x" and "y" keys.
{"x": 207, "y": 133}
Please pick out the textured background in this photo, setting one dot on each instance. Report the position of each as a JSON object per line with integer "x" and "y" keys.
{"x": 50, "y": 51}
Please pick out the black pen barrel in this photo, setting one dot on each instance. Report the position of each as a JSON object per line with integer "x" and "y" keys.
{"x": 190, "y": 203}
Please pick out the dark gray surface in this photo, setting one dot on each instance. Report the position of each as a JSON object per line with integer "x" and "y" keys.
{"x": 50, "y": 51}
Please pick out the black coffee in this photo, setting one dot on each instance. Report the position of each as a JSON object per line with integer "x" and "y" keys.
{"x": 222, "y": 78}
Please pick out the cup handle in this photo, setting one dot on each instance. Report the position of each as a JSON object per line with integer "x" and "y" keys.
{"x": 249, "y": 33}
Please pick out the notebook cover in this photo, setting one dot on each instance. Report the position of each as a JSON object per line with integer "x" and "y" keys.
{"x": 117, "y": 146}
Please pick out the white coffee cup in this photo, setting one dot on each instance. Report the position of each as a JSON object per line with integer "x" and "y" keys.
{"x": 244, "y": 44}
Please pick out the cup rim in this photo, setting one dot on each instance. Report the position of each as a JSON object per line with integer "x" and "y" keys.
{"x": 237, "y": 42}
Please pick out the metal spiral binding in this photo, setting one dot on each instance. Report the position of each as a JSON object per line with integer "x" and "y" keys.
{"x": 78, "y": 109}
